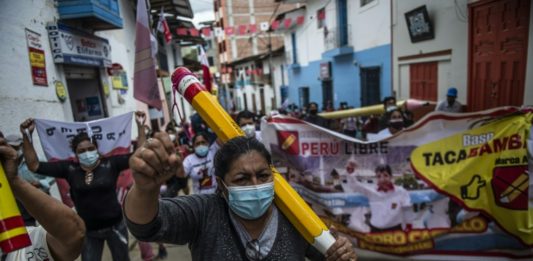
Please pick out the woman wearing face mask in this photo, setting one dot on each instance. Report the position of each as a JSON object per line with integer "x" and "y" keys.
{"x": 92, "y": 179}
{"x": 199, "y": 165}
{"x": 395, "y": 122}
{"x": 240, "y": 222}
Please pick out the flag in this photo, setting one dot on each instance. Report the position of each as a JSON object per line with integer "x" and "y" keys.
{"x": 253, "y": 28}
{"x": 275, "y": 25}
{"x": 300, "y": 20}
{"x": 205, "y": 68}
{"x": 229, "y": 30}
{"x": 206, "y": 31}
{"x": 145, "y": 88}
{"x": 242, "y": 29}
{"x": 182, "y": 31}
{"x": 162, "y": 26}
{"x": 219, "y": 32}
{"x": 287, "y": 22}
{"x": 194, "y": 32}
{"x": 263, "y": 26}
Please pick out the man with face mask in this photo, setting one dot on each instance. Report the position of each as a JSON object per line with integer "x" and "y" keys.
{"x": 312, "y": 116}
{"x": 199, "y": 165}
{"x": 245, "y": 119}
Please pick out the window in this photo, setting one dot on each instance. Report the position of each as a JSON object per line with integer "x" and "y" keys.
{"x": 294, "y": 56}
{"x": 321, "y": 17}
{"x": 365, "y": 2}
{"x": 210, "y": 60}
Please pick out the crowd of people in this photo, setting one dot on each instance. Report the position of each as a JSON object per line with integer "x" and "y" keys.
{"x": 229, "y": 215}
{"x": 371, "y": 127}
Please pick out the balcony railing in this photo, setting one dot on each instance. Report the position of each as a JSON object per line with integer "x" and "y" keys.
{"x": 94, "y": 14}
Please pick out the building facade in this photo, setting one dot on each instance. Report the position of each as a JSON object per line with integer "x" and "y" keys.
{"x": 72, "y": 61}
{"x": 483, "y": 48}
{"x": 340, "y": 54}
{"x": 241, "y": 38}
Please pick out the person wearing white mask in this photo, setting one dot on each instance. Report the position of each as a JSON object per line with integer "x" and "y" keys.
{"x": 199, "y": 165}
{"x": 93, "y": 181}
{"x": 246, "y": 121}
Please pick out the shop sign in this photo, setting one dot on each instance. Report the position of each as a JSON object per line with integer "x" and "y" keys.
{"x": 37, "y": 59}
{"x": 61, "y": 91}
{"x": 120, "y": 81}
{"x": 325, "y": 71}
{"x": 72, "y": 46}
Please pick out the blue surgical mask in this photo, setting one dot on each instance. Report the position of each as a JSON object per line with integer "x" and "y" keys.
{"x": 201, "y": 150}
{"x": 88, "y": 158}
{"x": 250, "y": 202}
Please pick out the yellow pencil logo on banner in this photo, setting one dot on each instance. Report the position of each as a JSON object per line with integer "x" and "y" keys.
{"x": 485, "y": 169}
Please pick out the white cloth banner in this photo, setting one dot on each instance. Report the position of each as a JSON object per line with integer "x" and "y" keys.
{"x": 113, "y": 136}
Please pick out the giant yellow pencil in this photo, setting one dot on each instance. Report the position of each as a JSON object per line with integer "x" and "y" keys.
{"x": 13, "y": 234}
{"x": 287, "y": 200}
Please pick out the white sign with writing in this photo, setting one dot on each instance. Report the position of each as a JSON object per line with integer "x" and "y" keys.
{"x": 113, "y": 135}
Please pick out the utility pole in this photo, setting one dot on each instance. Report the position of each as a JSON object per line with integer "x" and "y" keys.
{"x": 270, "y": 69}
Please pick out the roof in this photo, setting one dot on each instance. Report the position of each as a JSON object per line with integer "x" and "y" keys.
{"x": 261, "y": 56}
{"x": 175, "y": 7}
{"x": 282, "y": 15}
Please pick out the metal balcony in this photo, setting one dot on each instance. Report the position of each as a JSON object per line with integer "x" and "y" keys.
{"x": 94, "y": 14}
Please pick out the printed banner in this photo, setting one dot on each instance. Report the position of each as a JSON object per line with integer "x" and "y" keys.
{"x": 452, "y": 184}
{"x": 113, "y": 136}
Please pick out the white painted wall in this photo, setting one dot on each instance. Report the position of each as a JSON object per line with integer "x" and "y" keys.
{"x": 370, "y": 25}
{"x": 450, "y": 33}
{"x": 310, "y": 38}
{"x": 19, "y": 98}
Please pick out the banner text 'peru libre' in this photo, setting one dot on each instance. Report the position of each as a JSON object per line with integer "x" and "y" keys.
{"x": 460, "y": 182}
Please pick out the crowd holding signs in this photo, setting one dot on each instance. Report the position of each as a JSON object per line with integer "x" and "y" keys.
{"x": 459, "y": 182}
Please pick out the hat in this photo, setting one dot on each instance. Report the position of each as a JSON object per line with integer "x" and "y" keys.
{"x": 452, "y": 92}
{"x": 14, "y": 139}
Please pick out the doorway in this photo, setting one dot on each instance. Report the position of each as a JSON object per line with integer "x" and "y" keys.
{"x": 498, "y": 40}
{"x": 304, "y": 96}
{"x": 85, "y": 93}
{"x": 327, "y": 93}
{"x": 370, "y": 86}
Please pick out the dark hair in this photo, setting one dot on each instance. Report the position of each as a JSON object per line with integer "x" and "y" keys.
{"x": 387, "y": 99}
{"x": 389, "y": 115}
{"x": 233, "y": 149}
{"x": 384, "y": 168}
{"x": 79, "y": 138}
{"x": 311, "y": 103}
{"x": 246, "y": 114}
{"x": 199, "y": 134}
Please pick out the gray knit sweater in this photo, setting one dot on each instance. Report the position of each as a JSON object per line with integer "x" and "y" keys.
{"x": 203, "y": 222}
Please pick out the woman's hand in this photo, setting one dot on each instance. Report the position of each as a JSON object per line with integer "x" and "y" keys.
{"x": 28, "y": 124}
{"x": 154, "y": 162}
{"x": 140, "y": 118}
{"x": 8, "y": 158}
{"x": 342, "y": 249}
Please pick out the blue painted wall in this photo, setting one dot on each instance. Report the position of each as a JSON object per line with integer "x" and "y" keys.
{"x": 345, "y": 75}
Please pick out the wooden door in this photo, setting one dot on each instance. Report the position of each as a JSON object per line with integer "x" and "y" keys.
{"x": 423, "y": 78}
{"x": 370, "y": 86}
{"x": 498, "y": 33}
